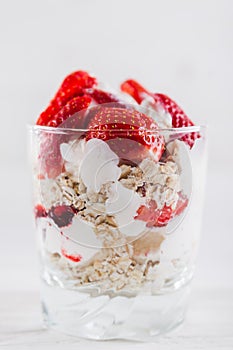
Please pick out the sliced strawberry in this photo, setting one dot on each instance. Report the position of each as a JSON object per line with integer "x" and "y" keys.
{"x": 181, "y": 204}
{"x": 134, "y": 89}
{"x": 73, "y": 85}
{"x": 101, "y": 96}
{"x": 65, "y": 95}
{"x": 161, "y": 217}
{"x": 91, "y": 112}
{"x": 80, "y": 79}
{"x": 45, "y": 116}
{"x": 129, "y": 133}
{"x": 147, "y": 213}
{"x": 70, "y": 116}
{"x": 179, "y": 118}
{"x": 50, "y": 158}
{"x": 62, "y": 215}
{"x": 72, "y": 107}
{"x": 40, "y": 211}
{"x": 74, "y": 258}
{"x": 153, "y": 216}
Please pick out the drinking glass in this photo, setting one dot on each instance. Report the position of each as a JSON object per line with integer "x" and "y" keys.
{"x": 117, "y": 233}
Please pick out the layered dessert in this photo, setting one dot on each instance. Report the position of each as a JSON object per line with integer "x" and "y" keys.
{"x": 113, "y": 184}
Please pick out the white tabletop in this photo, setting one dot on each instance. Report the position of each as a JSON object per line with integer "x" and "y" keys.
{"x": 209, "y": 325}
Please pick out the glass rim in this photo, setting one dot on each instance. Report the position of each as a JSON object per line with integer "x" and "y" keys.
{"x": 57, "y": 130}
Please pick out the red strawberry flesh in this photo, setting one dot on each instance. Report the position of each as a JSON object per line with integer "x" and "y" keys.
{"x": 156, "y": 217}
{"x": 134, "y": 89}
{"x": 72, "y": 115}
{"x": 40, "y": 211}
{"x": 101, "y": 96}
{"x": 72, "y": 107}
{"x": 74, "y": 258}
{"x": 80, "y": 79}
{"x": 73, "y": 85}
{"x": 129, "y": 133}
{"x": 179, "y": 118}
{"x": 62, "y": 215}
{"x": 50, "y": 158}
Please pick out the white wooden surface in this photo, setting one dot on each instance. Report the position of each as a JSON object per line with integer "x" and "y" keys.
{"x": 209, "y": 325}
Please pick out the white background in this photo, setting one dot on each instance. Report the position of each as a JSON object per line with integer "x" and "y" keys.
{"x": 183, "y": 48}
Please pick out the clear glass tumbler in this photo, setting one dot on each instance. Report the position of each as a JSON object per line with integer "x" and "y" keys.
{"x": 117, "y": 230}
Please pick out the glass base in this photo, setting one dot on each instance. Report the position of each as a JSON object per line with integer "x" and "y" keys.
{"x": 103, "y": 317}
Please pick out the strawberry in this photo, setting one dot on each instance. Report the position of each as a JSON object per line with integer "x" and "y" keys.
{"x": 70, "y": 116}
{"x": 62, "y": 215}
{"x": 91, "y": 112}
{"x": 79, "y": 79}
{"x": 74, "y": 258}
{"x": 181, "y": 204}
{"x": 134, "y": 89}
{"x": 72, "y": 107}
{"x": 73, "y": 85}
{"x": 153, "y": 216}
{"x": 179, "y": 118}
{"x": 147, "y": 213}
{"x": 129, "y": 133}
{"x": 50, "y": 158}
{"x": 45, "y": 116}
{"x": 40, "y": 211}
{"x": 161, "y": 217}
{"x": 101, "y": 96}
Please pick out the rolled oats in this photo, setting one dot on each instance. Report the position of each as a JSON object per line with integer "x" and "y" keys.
{"x": 118, "y": 263}
{"x": 125, "y": 171}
